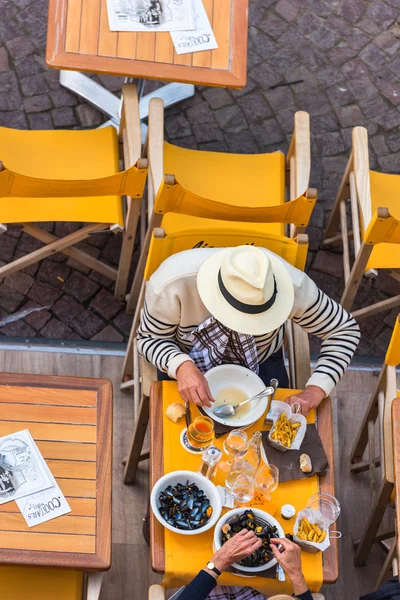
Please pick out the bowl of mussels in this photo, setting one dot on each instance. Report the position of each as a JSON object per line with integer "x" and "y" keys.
{"x": 186, "y": 502}
{"x": 264, "y": 526}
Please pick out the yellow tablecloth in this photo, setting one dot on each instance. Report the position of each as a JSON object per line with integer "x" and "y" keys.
{"x": 186, "y": 555}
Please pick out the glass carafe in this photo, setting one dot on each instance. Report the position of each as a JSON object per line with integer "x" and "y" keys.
{"x": 245, "y": 462}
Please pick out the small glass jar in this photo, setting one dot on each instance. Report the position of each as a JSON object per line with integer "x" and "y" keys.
{"x": 328, "y": 506}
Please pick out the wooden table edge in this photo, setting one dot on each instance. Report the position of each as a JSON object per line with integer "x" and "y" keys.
{"x": 325, "y": 427}
{"x": 396, "y": 461}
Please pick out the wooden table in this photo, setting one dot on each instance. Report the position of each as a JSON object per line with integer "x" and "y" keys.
{"x": 327, "y": 483}
{"x": 396, "y": 463}
{"x": 70, "y": 419}
{"x": 79, "y": 39}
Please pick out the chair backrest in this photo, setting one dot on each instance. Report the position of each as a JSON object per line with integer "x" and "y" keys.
{"x": 165, "y": 243}
{"x": 130, "y": 182}
{"x": 173, "y": 197}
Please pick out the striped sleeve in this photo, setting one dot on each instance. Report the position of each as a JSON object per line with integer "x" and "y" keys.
{"x": 156, "y": 334}
{"x": 321, "y": 316}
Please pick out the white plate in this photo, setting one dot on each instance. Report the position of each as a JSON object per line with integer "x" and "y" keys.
{"x": 243, "y": 379}
{"x": 181, "y": 477}
{"x": 262, "y": 515}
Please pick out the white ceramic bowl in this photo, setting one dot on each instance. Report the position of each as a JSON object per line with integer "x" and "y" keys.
{"x": 181, "y": 477}
{"x": 259, "y": 513}
{"x": 243, "y": 379}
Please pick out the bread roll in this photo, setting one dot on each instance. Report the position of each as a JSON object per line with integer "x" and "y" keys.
{"x": 305, "y": 463}
{"x": 175, "y": 412}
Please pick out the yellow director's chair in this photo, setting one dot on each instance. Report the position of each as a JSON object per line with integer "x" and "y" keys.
{"x": 74, "y": 176}
{"x": 375, "y": 218}
{"x": 379, "y": 409}
{"x": 37, "y": 583}
{"x": 248, "y": 188}
{"x": 180, "y": 232}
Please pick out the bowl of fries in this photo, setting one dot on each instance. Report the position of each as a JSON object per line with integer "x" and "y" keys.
{"x": 288, "y": 429}
{"x": 311, "y": 531}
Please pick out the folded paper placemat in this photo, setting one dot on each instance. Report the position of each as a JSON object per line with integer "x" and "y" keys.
{"x": 288, "y": 462}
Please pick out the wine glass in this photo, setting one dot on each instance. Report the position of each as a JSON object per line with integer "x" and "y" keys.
{"x": 233, "y": 443}
{"x": 267, "y": 479}
{"x": 243, "y": 490}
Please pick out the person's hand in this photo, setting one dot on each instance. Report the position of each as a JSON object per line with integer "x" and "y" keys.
{"x": 310, "y": 398}
{"x": 192, "y": 385}
{"x": 289, "y": 557}
{"x": 236, "y": 548}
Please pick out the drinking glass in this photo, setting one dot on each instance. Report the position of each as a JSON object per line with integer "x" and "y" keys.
{"x": 267, "y": 479}
{"x": 243, "y": 490}
{"x": 234, "y": 443}
{"x": 201, "y": 432}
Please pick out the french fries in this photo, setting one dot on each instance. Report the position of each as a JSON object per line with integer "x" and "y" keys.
{"x": 310, "y": 532}
{"x": 284, "y": 431}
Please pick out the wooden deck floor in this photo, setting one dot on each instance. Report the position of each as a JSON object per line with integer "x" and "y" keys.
{"x": 130, "y": 575}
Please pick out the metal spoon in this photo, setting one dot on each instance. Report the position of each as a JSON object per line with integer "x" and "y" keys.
{"x": 228, "y": 410}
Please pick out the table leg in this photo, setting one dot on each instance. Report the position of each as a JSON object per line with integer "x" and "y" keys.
{"x": 110, "y": 105}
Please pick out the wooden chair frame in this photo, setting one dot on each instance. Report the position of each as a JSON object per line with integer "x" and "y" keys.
{"x": 379, "y": 409}
{"x": 131, "y": 181}
{"x": 298, "y": 164}
{"x": 355, "y": 186}
{"x": 139, "y": 375}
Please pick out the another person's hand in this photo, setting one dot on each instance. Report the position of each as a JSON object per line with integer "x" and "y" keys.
{"x": 310, "y": 398}
{"x": 238, "y": 547}
{"x": 289, "y": 557}
{"x": 192, "y": 385}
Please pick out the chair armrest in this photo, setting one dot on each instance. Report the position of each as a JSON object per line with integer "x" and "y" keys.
{"x": 129, "y": 131}
{"x": 156, "y": 592}
{"x": 299, "y": 155}
{"x": 154, "y": 148}
{"x": 361, "y": 174}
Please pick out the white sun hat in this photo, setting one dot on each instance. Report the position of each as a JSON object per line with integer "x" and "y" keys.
{"x": 247, "y": 289}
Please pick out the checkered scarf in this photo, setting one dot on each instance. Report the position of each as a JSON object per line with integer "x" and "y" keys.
{"x": 215, "y": 344}
{"x": 222, "y": 592}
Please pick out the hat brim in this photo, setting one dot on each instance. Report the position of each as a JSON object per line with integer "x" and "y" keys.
{"x": 259, "y": 324}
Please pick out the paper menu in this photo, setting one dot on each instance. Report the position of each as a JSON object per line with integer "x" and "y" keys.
{"x": 200, "y": 39}
{"x": 150, "y": 15}
{"x": 22, "y": 468}
{"x": 43, "y": 506}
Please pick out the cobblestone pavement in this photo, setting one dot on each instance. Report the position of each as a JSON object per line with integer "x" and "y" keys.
{"x": 337, "y": 59}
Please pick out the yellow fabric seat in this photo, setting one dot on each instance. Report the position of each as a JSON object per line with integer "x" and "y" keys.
{"x": 256, "y": 180}
{"x": 36, "y": 583}
{"x": 385, "y": 192}
{"x": 61, "y": 155}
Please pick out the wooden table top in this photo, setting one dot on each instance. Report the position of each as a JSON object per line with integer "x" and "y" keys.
{"x": 70, "y": 419}
{"x": 327, "y": 483}
{"x": 79, "y": 39}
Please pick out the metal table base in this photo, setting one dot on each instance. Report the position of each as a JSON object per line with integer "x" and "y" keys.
{"x": 110, "y": 105}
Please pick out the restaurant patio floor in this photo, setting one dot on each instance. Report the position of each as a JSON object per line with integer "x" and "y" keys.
{"x": 131, "y": 575}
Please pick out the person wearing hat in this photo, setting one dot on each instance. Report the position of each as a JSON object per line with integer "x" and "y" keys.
{"x": 210, "y": 306}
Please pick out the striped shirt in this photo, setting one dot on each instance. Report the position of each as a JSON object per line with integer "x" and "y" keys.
{"x": 173, "y": 309}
